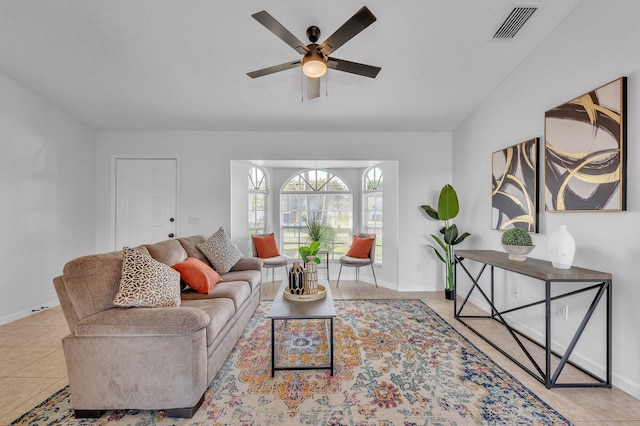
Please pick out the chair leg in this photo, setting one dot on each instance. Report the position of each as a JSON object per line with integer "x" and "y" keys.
{"x": 273, "y": 274}
{"x": 357, "y": 276}
{"x": 374, "y": 275}
{"x": 338, "y": 283}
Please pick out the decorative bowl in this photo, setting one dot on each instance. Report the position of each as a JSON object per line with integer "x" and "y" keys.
{"x": 517, "y": 252}
{"x": 321, "y": 294}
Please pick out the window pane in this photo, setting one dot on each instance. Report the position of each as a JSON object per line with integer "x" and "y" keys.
{"x": 317, "y": 202}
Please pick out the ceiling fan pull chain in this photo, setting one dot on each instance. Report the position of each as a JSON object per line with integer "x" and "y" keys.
{"x": 326, "y": 84}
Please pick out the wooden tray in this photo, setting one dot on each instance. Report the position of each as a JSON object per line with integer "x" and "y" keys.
{"x": 322, "y": 293}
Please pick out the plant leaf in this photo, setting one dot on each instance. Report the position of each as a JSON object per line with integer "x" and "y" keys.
{"x": 314, "y": 246}
{"x": 461, "y": 238}
{"x": 433, "y": 214}
{"x": 448, "y": 206}
{"x": 450, "y": 234}
{"x": 439, "y": 241}
{"x": 437, "y": 253}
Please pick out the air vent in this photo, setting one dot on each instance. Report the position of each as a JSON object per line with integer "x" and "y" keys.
{"x": 514, "y": 22}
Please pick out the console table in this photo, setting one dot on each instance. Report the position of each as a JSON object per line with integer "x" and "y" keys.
{"x": 544, "y": 271}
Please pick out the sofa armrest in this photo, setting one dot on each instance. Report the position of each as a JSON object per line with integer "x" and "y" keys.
{"x": 247, "y": 264}
{"x": 132, "y": 322}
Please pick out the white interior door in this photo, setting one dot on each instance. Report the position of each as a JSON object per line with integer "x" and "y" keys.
{"x": 146, "y": 192}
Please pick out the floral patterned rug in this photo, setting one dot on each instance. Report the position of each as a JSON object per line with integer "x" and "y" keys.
{"x": 396, "y": 363}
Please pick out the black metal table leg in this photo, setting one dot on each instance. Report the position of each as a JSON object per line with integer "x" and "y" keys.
{"x": 273, "y": 348}
{"x": 331, "y": 345}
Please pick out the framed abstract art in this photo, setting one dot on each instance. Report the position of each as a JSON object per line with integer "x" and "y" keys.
{"x": 585, "y": 151}
{"x": 514, "y": 187}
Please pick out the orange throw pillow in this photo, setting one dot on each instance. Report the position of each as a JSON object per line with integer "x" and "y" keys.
{"x": 197, "y": 275}
{"x": 360, "y": 247}
{"x": 266, "y": 246}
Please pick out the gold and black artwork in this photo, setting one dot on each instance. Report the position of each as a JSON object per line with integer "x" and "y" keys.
{"x": 514, "y": 182}
{"x": 585, "y": 143}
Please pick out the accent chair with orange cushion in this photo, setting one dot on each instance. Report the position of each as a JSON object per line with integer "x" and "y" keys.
{"x": 265, "y": 247}
{"x": 361, "y": 253}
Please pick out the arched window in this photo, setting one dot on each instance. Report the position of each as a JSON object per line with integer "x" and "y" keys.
{"x": 320, "y": 196}
{"x": 372, "y": 207}
{"x": 257, "y": 202}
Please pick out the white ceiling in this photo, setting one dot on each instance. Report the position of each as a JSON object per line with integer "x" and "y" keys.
{"x": 182, "y": 64}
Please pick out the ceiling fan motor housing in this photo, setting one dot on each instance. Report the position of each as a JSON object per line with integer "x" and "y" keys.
{"x": 313, "y": 33}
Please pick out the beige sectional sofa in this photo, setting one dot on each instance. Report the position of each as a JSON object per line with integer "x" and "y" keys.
{"x": 150, "y": 358}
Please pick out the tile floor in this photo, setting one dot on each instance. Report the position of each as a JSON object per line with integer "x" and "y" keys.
{"x": 32, "y": 364}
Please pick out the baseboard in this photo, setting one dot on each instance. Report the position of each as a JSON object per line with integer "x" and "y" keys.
{"x": 25, "y": 313}
{"x": 618, "y": 380}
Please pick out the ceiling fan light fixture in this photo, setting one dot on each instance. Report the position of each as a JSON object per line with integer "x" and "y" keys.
{"x": 314, "y": 64}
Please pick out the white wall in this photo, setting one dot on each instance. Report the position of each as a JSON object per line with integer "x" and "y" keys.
{"x": 205, "y": 179}
{"x": 47, "y": 197}
{"x": 596, "y": 44}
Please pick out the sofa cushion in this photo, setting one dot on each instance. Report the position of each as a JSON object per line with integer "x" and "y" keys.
{"x": 220, "y": 312}
{"x": 142, "y": 322}
{"x": 91, "y": 282}
{"x": 168, "y": 252}
{"x": 238, "y": 291}
{"x": 253, "y": 277}
{"x": 190, "y": 246}
{"x": 146, "y": 282}
{"x": 221, "y": 251}
{"x": 197, "y": 275}
{"x": 248, "y": 263}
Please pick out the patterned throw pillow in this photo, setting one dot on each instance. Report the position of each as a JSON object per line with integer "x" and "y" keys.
{"x": 221, "y": 251}
{"x": 146, "y": 283}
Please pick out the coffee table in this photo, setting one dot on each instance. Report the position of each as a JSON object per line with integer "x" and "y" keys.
{"x": 288, "y": 310}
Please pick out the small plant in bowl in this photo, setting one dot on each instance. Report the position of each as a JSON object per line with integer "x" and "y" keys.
{"x": 517, "y": 242}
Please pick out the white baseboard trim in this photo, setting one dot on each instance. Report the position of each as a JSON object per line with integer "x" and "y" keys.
{"x": 25, "y": 313}
{"x": 618, "y": 380}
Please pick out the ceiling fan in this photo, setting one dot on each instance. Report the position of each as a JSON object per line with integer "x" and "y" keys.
{"x": 315, "y": 57}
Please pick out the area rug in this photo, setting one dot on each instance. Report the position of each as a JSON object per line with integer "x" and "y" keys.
{"x": 397, "y": 362}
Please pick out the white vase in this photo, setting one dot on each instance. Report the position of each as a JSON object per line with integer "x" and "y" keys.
{"x": 562, "y": 248}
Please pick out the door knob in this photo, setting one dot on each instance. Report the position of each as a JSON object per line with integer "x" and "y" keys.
{"x": 171, "y": 220}
{"x": 170, "y": 235}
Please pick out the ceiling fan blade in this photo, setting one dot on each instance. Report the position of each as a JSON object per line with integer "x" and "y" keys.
{"x": 353, "y": 67}
{"x": 358, "y": 22}
{"x": 278, "y": 29}
{"x": 313, "y": 87}
{"x": 274, "y": 69}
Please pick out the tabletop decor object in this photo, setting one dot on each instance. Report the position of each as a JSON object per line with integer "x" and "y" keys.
{"x": 562, "y": 248}
{"x": 296, "y": 278}
{"x": 311, "y": 276}
{"x": 517, "y": 242}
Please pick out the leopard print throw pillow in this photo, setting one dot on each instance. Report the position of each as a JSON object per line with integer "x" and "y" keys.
{"x": 146, "y": 282}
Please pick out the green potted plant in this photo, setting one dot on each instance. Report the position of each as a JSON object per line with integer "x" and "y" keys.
{"x": 315, "y": 230}
{"x": 517, "y": 242}
{"x": 448, "y": 208}
{"x": 310, "y": 251}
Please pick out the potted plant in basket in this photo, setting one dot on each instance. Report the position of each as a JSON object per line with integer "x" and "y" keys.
{"x": 517, "y": 242}
{"x": 448, "y": 208}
